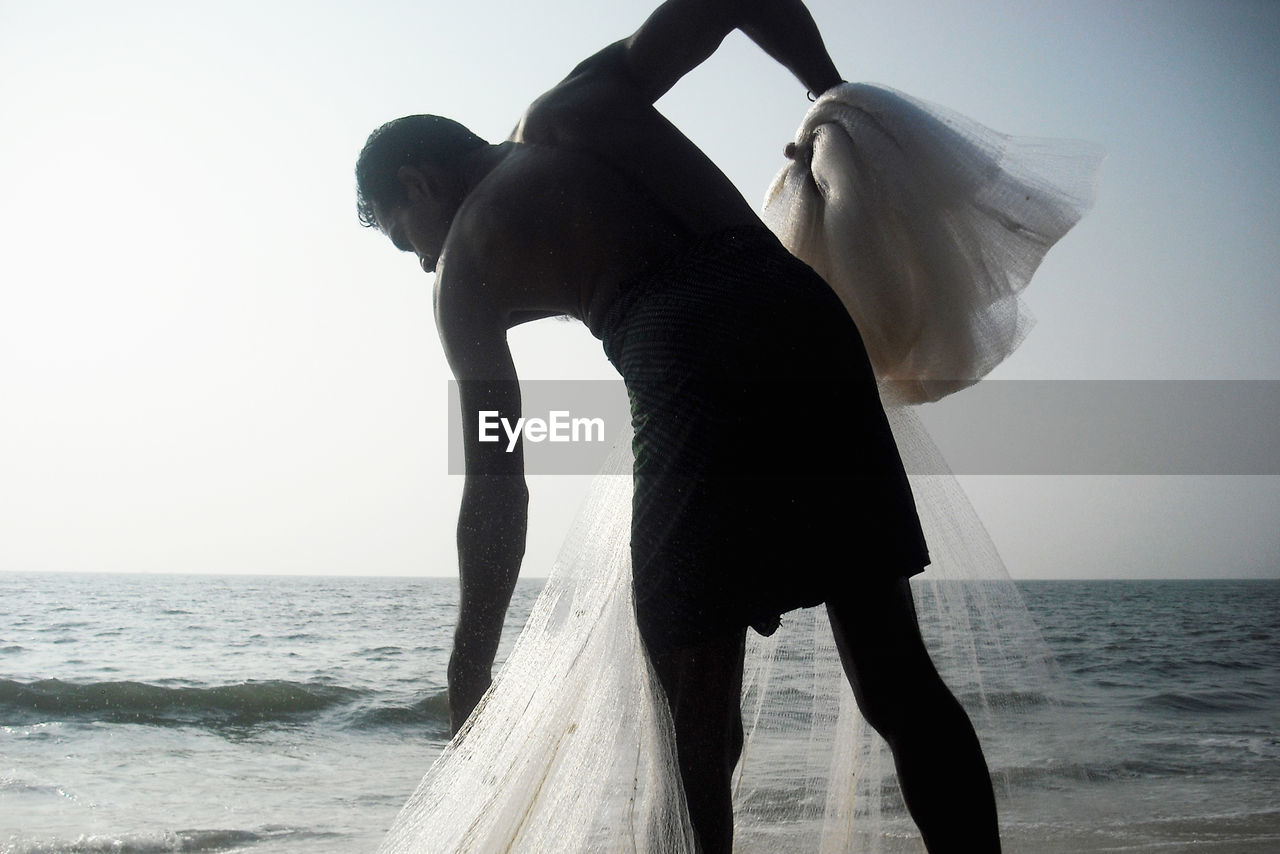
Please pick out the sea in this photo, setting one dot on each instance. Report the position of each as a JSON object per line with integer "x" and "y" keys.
{"x": 265, "y": 715}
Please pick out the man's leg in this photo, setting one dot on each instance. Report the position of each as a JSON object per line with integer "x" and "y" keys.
{"x": 941, "y": 770}
{"x": 703, "y": 685}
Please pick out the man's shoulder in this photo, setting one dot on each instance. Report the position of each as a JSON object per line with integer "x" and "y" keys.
{"x": 493, "y": 215}
{"x": 508, "y": 221}
{"x": 598, "y": 90}
{"x": 513, "y": 196}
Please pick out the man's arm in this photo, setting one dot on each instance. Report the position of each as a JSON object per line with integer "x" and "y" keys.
{"x": 681, "y": 34}
{"x": 493, "y": 518}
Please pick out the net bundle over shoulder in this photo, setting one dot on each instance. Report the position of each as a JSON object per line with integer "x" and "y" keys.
{"x": 927, "y": 225}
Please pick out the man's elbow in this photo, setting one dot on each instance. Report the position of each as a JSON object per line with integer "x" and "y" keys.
{"x": 510, "y": 491}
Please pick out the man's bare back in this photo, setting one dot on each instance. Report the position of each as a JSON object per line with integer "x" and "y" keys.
{"x": 593, "y": 186}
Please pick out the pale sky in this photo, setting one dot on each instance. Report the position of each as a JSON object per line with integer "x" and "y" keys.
{"x": 207, "y": 365}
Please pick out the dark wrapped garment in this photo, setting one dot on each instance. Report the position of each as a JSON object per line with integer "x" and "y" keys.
{"x": 766, "y": 475}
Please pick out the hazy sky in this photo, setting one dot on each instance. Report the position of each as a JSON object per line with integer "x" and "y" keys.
{"x": 207, "y": 365}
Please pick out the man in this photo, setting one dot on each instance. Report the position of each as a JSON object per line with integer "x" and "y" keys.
{"x": 766, "y": 477}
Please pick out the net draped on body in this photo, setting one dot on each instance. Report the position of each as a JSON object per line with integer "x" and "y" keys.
{"x": 927, "y": 225}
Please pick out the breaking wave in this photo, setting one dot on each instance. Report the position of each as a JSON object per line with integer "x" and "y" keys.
{"x": 235, "y": 705}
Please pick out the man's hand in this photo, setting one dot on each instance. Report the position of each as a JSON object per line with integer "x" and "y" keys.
{"x": 468, "y": 683}
{"x": 681, "y": 34}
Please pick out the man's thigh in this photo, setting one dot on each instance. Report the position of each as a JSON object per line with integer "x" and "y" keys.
{"x": 703, "y": 684}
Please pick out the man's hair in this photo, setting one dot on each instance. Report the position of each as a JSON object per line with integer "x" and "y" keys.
{"x": 410, "y": 141}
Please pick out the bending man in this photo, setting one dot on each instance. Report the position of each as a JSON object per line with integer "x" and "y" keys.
{"x": 761, "y": 447}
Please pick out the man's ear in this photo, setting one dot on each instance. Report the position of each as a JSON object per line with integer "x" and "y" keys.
{"x": 415, "y": 180}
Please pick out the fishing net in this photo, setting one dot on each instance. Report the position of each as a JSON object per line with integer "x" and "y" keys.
{"x": 927, "y": 225}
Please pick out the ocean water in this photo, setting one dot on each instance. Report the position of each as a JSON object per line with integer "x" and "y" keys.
{"x": 283, "y": 714}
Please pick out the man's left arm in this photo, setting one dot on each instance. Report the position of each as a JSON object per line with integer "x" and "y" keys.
{"x": 681, "y": 34}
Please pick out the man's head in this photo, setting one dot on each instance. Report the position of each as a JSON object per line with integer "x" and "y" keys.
{"x": 417, "y": 142}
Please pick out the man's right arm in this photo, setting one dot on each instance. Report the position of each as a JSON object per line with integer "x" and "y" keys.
{"x": 493, "y": 518}
{"x": 681, "y": 34}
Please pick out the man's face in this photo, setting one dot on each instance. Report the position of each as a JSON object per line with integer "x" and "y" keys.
{"x": 410, "y": 231}
{"x": 421, "y": 224}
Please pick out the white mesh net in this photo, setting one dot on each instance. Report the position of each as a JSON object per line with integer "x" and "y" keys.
{"x": 927, "y": 224}
{"x": 570, "y": 750}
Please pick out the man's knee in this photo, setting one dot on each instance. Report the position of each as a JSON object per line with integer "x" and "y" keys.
{"x": 902, "y": 701}
{"x": 884, "y": 656}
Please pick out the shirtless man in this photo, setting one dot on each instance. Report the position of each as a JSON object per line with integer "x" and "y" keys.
{"x": 594, "y": 205}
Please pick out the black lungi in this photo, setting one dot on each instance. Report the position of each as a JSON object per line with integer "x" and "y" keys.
{"x": 766, "y": 475}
